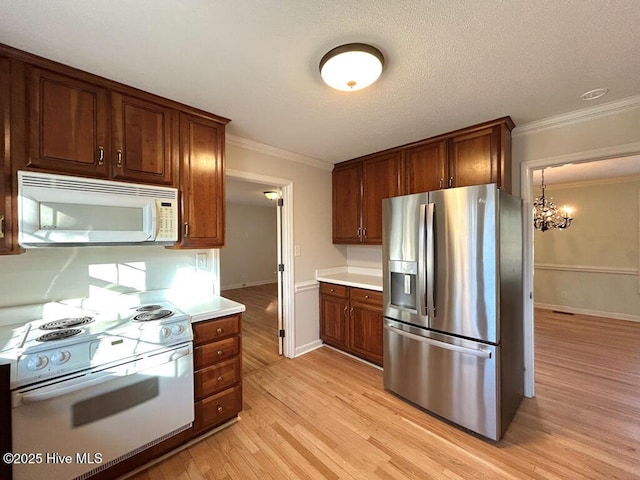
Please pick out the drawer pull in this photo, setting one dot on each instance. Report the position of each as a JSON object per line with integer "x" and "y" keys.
{"x": 219, "y": 352}
{"x": 220, "y": 409}
{"x": 219, "y": 330}
{"x": 332, "y": 290}
{"x": 219, "y": 379}
{"x": 366, "y": 296}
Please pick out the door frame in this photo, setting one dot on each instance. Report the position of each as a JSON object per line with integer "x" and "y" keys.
{"x": 288, "y": 298}
{"x": 526, "y": 192}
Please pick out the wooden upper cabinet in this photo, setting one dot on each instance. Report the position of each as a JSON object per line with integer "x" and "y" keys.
{"x": 68, "y": 124}
{"x": 202, "y": 181}
{"x": 425, "y": 167}
{"x": 358, "y": 190}
{"x": 380, "y": 180}
{"x": 144, "y": 134}
{"x": 347, "y": 203}
{"x": 482, "y": 154}
{"x": 6, "y": 199}
{"x": 474, "y": 158}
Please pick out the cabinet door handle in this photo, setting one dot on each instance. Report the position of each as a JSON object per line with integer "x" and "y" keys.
{"x": 1, "y": 226}
{"x": 186, "y": 229}
{"x": 100, "y": 155}
{"x": 364, "y": 232}
{"x": 441, "y": 184}
{"x": 345, "y": 310}
{"x": 119, "y": 160}
{"x": 450, "y": 182}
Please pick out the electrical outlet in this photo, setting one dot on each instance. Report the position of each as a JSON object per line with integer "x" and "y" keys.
{"x": 201, "y": 261}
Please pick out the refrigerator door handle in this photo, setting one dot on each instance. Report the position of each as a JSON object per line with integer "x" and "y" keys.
{"x": 421, "y": 287}
{"x": 447, "y": 346}
{"x": 431, "y": 267}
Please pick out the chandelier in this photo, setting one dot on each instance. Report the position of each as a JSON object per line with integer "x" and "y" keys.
{"x": 546, "y": 214}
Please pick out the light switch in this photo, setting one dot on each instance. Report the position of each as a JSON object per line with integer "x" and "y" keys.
{"x": 296, "y": 250}
{"x": 201, "y": 261}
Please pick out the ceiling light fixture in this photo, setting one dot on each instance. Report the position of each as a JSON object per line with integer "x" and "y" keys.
{"x": 351, "y": 67}
{"x": 593, "y": 94}
{"x": 546, "y": 215}
{"x": 271, "y": 194}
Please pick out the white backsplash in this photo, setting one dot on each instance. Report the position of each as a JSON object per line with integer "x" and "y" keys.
{"x": 49, "y": 274}
{"x": 368, "y": 256}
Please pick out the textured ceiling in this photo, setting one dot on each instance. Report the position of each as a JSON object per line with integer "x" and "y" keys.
{"x": 449, "y": 63}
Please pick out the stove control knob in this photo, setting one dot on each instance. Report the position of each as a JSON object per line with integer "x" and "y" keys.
{"x": 37, "y": 362}
{"x": 178, "y": 329}
{"x": 165, "y": 332}
{"x": 60, "y": 357}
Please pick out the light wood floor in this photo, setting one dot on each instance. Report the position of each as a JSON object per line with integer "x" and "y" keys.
{"x": 259, "y": 325}
{"x": 325, "y": 415}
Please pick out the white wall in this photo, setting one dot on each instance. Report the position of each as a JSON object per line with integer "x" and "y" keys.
{"x": 592, "y": 267}
{"x": 312, "y": 223}
{"x": 250, "y": 253}
{"x": 557, "y": 137}
{"x": 50, "y": 274}
{"x": 311, "y": 205}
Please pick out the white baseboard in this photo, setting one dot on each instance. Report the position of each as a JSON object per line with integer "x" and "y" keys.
{"x": 248, "y": 284}
{"x": 308, "y": 347}
{"x": 584, "y": 311}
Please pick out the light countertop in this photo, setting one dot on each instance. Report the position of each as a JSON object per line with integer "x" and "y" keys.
{"x": 368, "y": 278}
{"x": 201, "y": 306}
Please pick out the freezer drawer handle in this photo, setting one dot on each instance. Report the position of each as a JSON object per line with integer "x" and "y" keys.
{"x": 435, "y": 343}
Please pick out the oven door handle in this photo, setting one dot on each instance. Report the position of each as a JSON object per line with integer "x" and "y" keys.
{"x": 100, "y": 377}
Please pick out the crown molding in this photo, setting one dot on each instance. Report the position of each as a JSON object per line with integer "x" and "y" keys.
{"x": 252, "y": 145}
{"x": 595, "y": 181}
{"x": 582, "y": 115}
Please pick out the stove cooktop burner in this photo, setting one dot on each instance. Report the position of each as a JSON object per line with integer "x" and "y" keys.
{"x": 58, "y": 335}
{"x": 152, "y": 315}
{"x": 148, "y": 308}
{"x": 66, "y": 323}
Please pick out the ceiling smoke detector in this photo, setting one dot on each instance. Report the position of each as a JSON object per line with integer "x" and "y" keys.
{"x": 593, "y": 94}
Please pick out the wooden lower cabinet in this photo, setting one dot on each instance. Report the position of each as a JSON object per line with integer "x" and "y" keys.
{"x": 217, "y": 365}
{"x": 351, "y": 320}
{"x": 217, "y": 382}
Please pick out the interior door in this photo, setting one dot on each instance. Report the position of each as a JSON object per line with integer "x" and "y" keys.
{"x": 280, "y": 254}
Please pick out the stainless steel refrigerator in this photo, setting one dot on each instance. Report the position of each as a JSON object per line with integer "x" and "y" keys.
{"x": 452, "y": 299}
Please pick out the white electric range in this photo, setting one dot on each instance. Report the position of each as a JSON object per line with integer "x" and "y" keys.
{"x": 97, "y": 384}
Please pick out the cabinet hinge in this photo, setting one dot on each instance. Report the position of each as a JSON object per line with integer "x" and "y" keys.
{"x": 281, "y": 267}
{"x": 280, "y": 202}
{"x": 281, "y": 333}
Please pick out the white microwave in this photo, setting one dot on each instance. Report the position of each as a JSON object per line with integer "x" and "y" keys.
{"x": 61, "y": 210}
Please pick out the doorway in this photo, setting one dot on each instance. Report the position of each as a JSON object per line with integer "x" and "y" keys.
{"x": 268, "y": 294}
{"x": 528, "y": 192}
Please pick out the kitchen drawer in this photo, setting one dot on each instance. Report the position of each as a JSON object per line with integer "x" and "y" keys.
{"x": 368, "y": 297}
{"x": 210, "y": 330}
{"x": 211, "y": 353}
{"x": 218, "y": 408}
{"x": 217, "y": 377}
{"x": 334, "y": 290}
